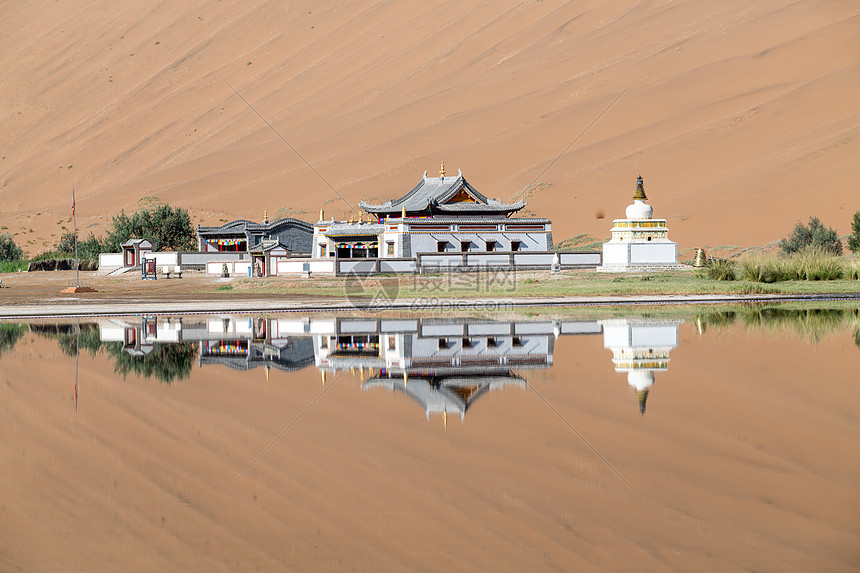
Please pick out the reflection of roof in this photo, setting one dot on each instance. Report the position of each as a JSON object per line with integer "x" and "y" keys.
{"x": 432, "y": 193}
{"x": 454, "y": 394}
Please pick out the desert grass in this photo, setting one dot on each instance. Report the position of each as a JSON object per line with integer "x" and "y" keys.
{"x": 812, "y": 264}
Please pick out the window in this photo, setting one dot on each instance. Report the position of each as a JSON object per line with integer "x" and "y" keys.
{"x": 443, "y": 343}
{"x": 441, "y": 246}
{"x": 467, "y": 343}
{"x": 516, "y": 341}
{"x": 323, "y": 249}
{"x": 465, "y": 246}
{"x": 392, "y": 342}
{"x": 491, "y": 342}
{"x": 390, "y": 248}
{"x": 515, "y": 245}
{"x": 491, "y": 246}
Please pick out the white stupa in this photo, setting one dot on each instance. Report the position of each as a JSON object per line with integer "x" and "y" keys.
{"x": 639, "y": 242}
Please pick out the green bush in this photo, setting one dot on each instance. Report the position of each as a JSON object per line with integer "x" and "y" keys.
{"x": 814, "y": 264}
{"x": 720, "y": 270}
{"x": 88, "y": 249}
{"x": 814, "y": 235}
{"x": 12, "y": 266}
{"x": 852, "y": 268}
{"x": 9, "y": 251}
{"x": 762, "y": 269}
{"x": 854, "y": 238}
{"x": 168, "y": 228}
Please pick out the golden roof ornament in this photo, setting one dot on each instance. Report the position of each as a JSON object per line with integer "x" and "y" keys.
{"x": 403, "y": 212}
{"x": 265, "y": 215}
{"x": 640, "y": 190}
{"x": 442, "y": 169}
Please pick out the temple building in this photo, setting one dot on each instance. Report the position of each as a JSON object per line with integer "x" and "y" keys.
{"x": 242, "y": 236}
{"x": 639, "y": 242}
{"x": 439, "y": 215}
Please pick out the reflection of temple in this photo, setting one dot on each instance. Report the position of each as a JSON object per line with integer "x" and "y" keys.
{"x": 443, "y": 365}
{"x": 640, "y": 347}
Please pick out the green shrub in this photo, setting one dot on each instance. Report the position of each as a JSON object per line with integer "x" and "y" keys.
{"x": 168, "y": 228}
{"x": 852, "y": 268}
{"x": 720, "y": 270}
{"x": 12, "y": 266}
{"x": 814, "y": 264}
{"x": 88, "y": 249}
{"x": 9, "y": 251}
{"x": 762, "y": 268}
{"x": 854, "y": 238}
{"x": 816, "y": 234}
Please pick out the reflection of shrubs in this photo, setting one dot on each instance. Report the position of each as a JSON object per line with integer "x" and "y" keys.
{"x": 10, "y": 334}
{"x": 809, "y": 324}
{"x": 167, "y": 362}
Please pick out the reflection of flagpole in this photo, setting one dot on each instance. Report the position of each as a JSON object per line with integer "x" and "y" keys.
{"x": 77, "y": 352}
{"x": 77, "y": 263}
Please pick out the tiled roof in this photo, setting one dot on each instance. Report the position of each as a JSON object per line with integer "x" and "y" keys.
{"x": 433, "y": 192}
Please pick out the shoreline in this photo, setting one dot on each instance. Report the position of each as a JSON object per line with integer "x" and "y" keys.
{"x": 34, "y": 295}
{"x": 186, "y": 307}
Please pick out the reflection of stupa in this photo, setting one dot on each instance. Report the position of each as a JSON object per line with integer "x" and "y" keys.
{"x": 640, "y": 347}
{"x": 639, "y": 242}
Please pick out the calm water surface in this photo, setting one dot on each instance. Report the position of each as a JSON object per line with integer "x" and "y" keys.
{"x": 714, "y": 441}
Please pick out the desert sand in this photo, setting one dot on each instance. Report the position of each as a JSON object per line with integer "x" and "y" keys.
{"x": 744, "y": 461}
{"x": 741, "y": 116}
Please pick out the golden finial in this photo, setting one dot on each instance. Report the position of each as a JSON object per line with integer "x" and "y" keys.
{"x": 442, "y": 169}
{"x": 403, "y": 212}
{"x": 322, "y": 215}
{"x": 265, "y": 215}
{"x": 322, "y": 373}
{"x": 351, "y": 219}
{"x": 360, "y": 215}
{"x": 445, "y": 418}
{"x": 267, "y": 373}
{"x": 640, "y": 190}
{"x": 405, "y": 378}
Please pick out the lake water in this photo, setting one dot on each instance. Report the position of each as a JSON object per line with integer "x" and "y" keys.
{"x": 706, "y": 441}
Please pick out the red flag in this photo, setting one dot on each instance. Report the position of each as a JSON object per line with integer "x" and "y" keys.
{"x": 73, "y": 202}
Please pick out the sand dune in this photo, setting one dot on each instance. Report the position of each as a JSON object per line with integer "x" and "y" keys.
{"x": 741, "y": 115}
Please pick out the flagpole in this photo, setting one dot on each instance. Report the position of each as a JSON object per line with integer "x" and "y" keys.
{"x": 77, "y": 263}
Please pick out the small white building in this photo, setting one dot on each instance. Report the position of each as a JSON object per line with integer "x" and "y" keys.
{"x": 639, "y": 242}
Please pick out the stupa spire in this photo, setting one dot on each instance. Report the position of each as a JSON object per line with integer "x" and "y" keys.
{"x": 442, "y": 169}
{"x": 640, "y": 190}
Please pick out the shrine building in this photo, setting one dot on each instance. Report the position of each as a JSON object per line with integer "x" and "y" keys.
{"x": 443, "y": 214}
